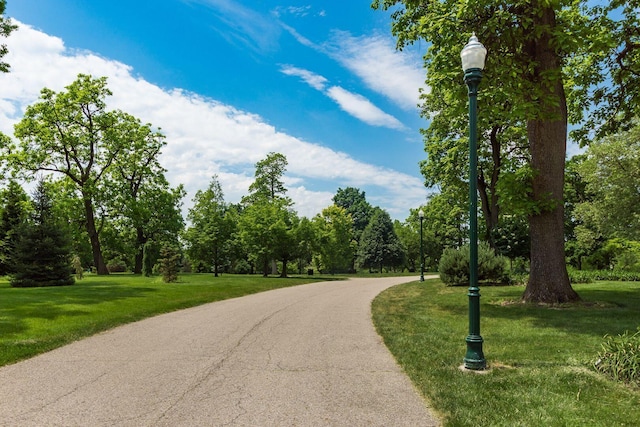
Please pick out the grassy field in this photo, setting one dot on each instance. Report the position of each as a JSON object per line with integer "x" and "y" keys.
{"x": 539, "y": 357}
{"x": 35, "y": 320}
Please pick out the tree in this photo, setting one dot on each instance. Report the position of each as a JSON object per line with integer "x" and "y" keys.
{"x": 355, "y": 203}
{"x": 267, "y": 222}
{"x": 14, "y": 213}
{"x": 71, "y": 133}
{"x": 611, "y": 170}
{"x": 169, "y": 263}
{"x": 6, "y": 27}
{"x": 209, "y": 236}
{"x": 42, "y": 254}
{"x": 261, "y": 227}
{"x": 379, "y": 244}
{"x": 268, "y": 182}
{"x": 139, "y": 195}
{"x": 335, "y": 244}
{"x": 535, "y": 49}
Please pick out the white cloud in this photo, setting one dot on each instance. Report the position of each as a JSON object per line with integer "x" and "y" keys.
{"x": 396, "y": 75}
{"x": 314, "y": 80}
{"x": 356, "y": 105}
{"x": 205, "y": 137}
{"x": 361, "y": 108}
{"x": 244, "y": 25}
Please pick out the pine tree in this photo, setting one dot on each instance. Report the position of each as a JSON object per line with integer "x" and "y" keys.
{"x": 41, "y": 256}
{"x": 13, "y": 214}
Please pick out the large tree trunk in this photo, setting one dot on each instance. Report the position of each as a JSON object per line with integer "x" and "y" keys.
{"x": 548, "y": 280}
{"x": 98, "y": 261}
{"x": 140, "y": 242}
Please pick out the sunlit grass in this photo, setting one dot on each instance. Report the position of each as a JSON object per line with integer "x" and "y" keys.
{"x": 539, "y": 357}
{"x": 35, "y": 320}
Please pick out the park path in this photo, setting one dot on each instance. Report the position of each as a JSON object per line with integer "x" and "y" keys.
{"x": 300, "y": 356}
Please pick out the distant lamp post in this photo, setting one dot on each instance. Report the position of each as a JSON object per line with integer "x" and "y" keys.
{"x": 473, "y": 56}
{"x": 421, "y": 216}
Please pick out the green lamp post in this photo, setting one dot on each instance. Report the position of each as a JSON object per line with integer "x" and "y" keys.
{"x": 421, "y": 216}
{"x": 473, "y": 56}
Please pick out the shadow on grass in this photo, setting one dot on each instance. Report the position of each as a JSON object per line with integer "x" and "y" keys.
{"x": 21, "y": 305}
{"x": 591, "y": 316}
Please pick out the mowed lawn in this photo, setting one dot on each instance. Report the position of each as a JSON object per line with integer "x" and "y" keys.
{"x": 540, "y": 357}
{"x": 35, "y": 320}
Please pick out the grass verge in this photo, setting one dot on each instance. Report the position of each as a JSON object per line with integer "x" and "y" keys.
{"x": 539, "y": 357}
{"x": 35, "y": 320}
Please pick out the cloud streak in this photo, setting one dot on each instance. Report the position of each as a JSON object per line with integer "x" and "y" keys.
{"x": 205, "y": 136}
{"x": 383, "y": 69}
{"x": 354, "y": 104}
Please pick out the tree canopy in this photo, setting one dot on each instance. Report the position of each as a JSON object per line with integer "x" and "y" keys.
{"x": 545, "y": 61}
{"x": 6, "y": 27}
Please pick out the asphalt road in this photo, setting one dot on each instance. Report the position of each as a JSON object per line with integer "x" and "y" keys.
{"x": 301, "y": 356}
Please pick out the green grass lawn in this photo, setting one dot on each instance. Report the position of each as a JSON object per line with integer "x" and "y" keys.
{"x": 35, "y": 320}
{"x": 539, "y": 357}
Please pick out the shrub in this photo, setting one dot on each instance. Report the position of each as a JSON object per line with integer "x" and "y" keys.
{"x": 242, "y": 267}
{"x": 454, "y": 265}
{"x": 77, "y": 267}
{"x": 169, "y": 263}
{"x": 117, "y": 265}
{"x": 587, "y": 276}
{"x": 620, "y": 358}
{"x": 579, "y": 276}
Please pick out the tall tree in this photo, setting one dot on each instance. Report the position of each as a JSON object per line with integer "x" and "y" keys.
{"x": 335, "y": 245}
{"x": 611, "y": 170}
{"x": 14, "y": 213}
{"x": 6, "y": 27}
{"x": 42, "y": 254}
{"x": 140, "y": 195}
{"x": 268, "y": 182}
{"x": 73, "y": 134}
{"x": 379, "y": 244}
{"x": 261, "y": 227}
{"x": 355, "y": 203}
{"x": 530, "y": 47}
{"x": 209, "y": 236}
{"x": 268, "y": 197}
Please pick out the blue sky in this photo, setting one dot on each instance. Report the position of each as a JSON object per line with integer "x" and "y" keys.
{"x": 230, "y": 80}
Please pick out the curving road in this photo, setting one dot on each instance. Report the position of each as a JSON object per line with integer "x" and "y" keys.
{"x": 300, "y": 356}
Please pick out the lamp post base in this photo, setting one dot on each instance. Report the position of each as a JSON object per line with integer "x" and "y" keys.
{"x": 474, "y": 359}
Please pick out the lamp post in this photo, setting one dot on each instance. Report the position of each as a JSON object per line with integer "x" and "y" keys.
{"x": 473, "y": 56}
{"x": 421, "y": 215}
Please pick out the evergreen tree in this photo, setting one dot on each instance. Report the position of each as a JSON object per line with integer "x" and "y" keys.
{"x": 379, "y": 244}
{"x": 42, "y": 254}
{"x": 14, "y": 213}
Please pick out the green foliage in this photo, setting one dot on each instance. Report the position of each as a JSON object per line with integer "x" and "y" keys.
{"x": 335, "y": 247}
{"x": 620, "y": 358}
{"x": 379, "y": 245}
{"x": 588, "y": 276}
{"x": 242, "y": 267}
{"x": 454, "y": 265}
{"x": 15, "y": 208}
{"x": 76, "y": 262}
{"x": 611, "y": 170}
{"x": 41, "y": 256}
{"x": 151, "y": 253}
{"x": 268, "y": 182}
{"x": 6, "y": 27}
{"x": 355, "y": 203}
{"x": 209, "y": 237}
{"x": 117, "y": 264}
{"x": 169, "y": 263}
